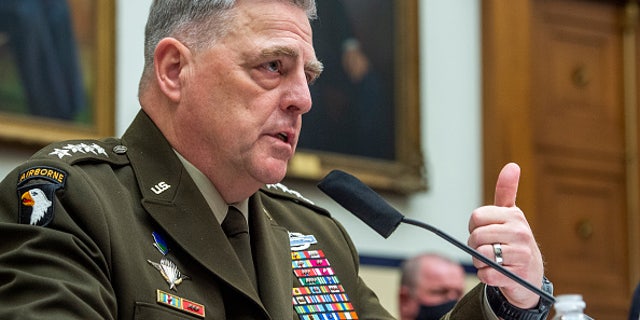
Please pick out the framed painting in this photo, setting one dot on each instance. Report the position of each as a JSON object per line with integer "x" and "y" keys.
{"x": 56, "y": 70}
{"x": 365, "y": 117}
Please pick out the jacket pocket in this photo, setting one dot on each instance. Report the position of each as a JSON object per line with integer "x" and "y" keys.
{"x": 149, "y": 311}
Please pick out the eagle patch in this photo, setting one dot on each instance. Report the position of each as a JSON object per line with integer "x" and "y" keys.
{"x": 36, "y": 193}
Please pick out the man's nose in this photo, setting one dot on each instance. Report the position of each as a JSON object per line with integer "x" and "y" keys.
{"x": 297, "y": 97}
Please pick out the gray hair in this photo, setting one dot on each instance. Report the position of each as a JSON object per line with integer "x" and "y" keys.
{"x": 196, "y": 23}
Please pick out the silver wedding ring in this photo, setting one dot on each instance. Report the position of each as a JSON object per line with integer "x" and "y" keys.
{"x": 497, "y": 250}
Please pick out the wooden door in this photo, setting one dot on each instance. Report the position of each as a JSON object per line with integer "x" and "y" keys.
{"x": 554, "y": 101}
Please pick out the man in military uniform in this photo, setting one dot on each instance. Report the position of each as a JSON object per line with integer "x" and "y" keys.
{"x": 150, "y": 226}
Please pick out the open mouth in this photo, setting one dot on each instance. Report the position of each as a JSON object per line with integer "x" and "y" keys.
{"x": 283, "y": 136}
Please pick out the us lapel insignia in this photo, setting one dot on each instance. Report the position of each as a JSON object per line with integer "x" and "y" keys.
{"x": 36, "y": 191}
{"x": 160, "y": 187}
{"x": 179, "y": 303}
{"x": 166, "y": 267}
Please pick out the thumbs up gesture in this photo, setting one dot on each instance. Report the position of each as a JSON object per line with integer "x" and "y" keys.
{"x": 501, "y": 232}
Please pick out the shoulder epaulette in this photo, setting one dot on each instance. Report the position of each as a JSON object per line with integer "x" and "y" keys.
{"x": 40, "y": 178}
{"x": 76, "y": 151}
{"x": 279, "y": 190}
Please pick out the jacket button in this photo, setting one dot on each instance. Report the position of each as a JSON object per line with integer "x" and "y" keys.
{"x": 120, "y": 149}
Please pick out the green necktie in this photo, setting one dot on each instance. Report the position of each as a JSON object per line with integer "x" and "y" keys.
{"x": 237, "y": 230}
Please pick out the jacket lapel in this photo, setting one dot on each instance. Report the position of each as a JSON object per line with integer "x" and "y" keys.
{"x": 175, "y": 203}
{"x": 273, "y": 260}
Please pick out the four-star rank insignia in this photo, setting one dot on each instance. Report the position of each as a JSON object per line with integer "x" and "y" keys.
{"x": 36, "y": 192}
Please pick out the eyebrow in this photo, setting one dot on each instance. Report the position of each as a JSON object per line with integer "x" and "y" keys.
{"x": 313, "y": 67}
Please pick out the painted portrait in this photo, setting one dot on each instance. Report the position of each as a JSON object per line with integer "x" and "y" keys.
{"x": 50, "y": 67}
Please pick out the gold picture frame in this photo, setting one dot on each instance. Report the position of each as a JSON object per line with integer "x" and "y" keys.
{"x": 89, "y": 25}
{"x": 404, "y": 171}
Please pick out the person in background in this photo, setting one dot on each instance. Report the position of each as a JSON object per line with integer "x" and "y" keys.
{"x": 184, "y": 216}
{"x": 430, "y": 285}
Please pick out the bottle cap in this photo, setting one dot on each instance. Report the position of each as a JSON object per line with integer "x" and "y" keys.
{"x": 568, "y": 302}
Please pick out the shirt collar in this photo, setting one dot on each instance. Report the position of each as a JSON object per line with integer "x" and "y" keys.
{"x": 218, "y": 206}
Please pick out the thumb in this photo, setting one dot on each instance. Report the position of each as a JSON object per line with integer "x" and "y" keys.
{"x": 507, "y": 186}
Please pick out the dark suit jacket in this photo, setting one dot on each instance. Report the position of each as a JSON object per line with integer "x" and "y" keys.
{"x": 88, "y": 256}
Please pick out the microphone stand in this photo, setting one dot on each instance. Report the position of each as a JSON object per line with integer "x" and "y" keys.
{"x": 479, "y": 256}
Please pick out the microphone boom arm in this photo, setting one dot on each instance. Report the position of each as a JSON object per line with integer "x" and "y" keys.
{"x": 479, "y": 256}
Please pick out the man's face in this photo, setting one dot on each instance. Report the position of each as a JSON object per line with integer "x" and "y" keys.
{"x": 439, "y": 282}
{"x": 244, "y": 97}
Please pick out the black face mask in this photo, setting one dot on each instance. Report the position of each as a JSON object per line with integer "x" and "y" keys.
{"x": 435, "y": 312}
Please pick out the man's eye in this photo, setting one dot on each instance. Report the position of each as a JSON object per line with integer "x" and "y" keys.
{"x": 273, "y": 66}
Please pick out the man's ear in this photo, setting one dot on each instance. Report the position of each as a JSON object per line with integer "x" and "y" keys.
{"x": 404, "y": 294}
{"x": 170, "y": 58}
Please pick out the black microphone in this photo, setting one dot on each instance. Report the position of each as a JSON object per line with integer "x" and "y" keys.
{"x": 372, "y": 209}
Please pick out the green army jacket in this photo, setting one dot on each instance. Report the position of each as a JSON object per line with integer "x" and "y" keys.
{"x": 116, "y": 229}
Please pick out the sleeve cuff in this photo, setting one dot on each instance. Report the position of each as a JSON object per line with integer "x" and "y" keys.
{"x": 486, "y": 308}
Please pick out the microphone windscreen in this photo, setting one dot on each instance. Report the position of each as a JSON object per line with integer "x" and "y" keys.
{"x": 362, "y": 201}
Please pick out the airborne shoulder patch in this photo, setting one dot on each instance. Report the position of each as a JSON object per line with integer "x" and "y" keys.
{"x": 36, "y": 192}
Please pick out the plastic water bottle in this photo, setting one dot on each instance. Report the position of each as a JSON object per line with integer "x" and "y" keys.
{"x": 570, "y": 307}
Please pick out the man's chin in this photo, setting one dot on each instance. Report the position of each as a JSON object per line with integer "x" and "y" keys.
{"x": 273, "y": 171}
